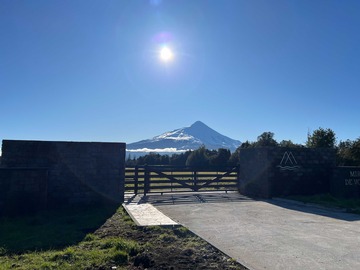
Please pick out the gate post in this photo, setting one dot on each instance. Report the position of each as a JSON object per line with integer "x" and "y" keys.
{"x": 238, "y": 176}
{"x": 146, "y": 179}
{"x": 136, "y": 179}
{"x": 195, "y": 182}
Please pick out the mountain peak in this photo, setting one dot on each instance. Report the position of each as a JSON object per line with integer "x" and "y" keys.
{"x": 198, "y": 123}
{"x": 187, "y": 138}
{"x": 199, "y": 126}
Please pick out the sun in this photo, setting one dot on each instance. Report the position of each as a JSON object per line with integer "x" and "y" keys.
{"x": 166, "y": 54}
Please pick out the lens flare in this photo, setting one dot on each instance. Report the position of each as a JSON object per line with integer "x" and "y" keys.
{"x": 166, "y": 54}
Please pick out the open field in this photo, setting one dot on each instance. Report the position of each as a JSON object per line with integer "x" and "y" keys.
{"x": 101, "y": 238}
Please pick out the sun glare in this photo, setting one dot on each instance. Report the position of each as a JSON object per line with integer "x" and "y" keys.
{"x": 166, "y": 54}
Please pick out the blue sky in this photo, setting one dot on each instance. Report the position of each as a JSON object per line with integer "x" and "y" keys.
{"x": 90, "y": 70}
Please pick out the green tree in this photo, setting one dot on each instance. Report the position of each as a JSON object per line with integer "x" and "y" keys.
{"x": 344, "y": 157}
{"x": 179, "y": 159}
{"x": 266, "y": 139}
{"x": 164, "y": 160}
{"x": 321, "y": 138}
{"x": 247, "y": 144}
{"x": 355, "y": 151}
{"x": 348, "y": 153}
{"x": 289, "y": 143}
{"x": 152, "y": 159}
{"x": 234, "y": 159}
{"x": 198, "y": 158}
{"x": 131, "y": 161}
{"x": 221, "y": 158}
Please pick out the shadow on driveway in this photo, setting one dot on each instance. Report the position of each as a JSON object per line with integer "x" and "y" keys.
{"x": 314, "y": 209}
{"x": 188, "y": 198}
{"x": 231, "y": 197}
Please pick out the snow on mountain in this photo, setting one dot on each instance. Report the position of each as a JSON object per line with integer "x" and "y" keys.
{"x": 188, "y": 138}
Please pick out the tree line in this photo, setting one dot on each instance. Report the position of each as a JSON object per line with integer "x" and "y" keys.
{"x": 348, "y": 152}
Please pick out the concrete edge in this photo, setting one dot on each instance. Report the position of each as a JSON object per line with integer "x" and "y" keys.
{"x": 168, "y": 222}
{"x": 130, "y": 214}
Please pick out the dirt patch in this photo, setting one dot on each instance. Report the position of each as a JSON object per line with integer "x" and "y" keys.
{"x": 166, "y": 248}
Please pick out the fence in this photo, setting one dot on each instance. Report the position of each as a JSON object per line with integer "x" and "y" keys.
{"x": 161, "y": 179}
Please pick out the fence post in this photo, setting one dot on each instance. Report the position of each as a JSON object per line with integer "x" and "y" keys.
{"x": 136, "y": 179}
{"x": 146, "y": 180}
{"x": 195, "y": 182}
{"x": 238, "y": 176}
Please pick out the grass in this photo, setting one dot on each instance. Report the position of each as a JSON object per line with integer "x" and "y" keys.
{"x": 63, "y": 239}
{"x": 51, "y": 229}
{"x": 60, "y": 239}
{"x": 101, "y": 238}
{"x": 91, "y": 253}
{"x": 351, "y": 205}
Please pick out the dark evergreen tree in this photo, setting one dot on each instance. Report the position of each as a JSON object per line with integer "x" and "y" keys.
{"x": 179, "y": 159}
{"x": 321, "y": 138}
{"x": 348, "y": 153}
{"x": 266, "y": 139}
{"x": 234, "y": 159}
{"x": 198, "y": 158}
{"x": 289, "y": 143}
{"x": 355, "y": 151}
{"x": 220, "y": 159}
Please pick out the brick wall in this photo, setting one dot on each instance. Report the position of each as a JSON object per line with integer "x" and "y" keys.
{"x": 345, "y": 182}
{"x": 22, "y": 190}
{"x": 277, "y": 171}
{"x": 78, "y": 172}
{"x": 253, "y": 174}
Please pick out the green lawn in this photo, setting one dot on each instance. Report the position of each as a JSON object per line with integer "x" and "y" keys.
{"x": 102, "y": 238}
{"x": 61, "y": 240}
{"x": 91, "y": 253}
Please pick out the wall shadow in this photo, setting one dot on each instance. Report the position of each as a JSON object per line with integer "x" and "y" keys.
{"x": 232, "y": 197}
{"x": 188, "y": 198}
{"x": 314, "y": 209}
{"x": 52, "y": 229}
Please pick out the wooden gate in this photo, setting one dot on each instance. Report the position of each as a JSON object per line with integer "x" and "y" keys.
{"x": 161, "y": 179}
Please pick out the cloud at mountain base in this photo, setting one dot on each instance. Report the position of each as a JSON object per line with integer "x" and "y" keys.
{"x": 157, "y": 150}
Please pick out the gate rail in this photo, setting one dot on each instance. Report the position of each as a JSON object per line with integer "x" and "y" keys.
{"x": 162, "y": 179}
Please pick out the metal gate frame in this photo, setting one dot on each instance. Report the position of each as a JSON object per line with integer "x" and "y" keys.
{"x": 164, "y": 179}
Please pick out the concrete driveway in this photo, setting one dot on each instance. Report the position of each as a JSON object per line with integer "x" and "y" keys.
{"x": 272, "y": 234}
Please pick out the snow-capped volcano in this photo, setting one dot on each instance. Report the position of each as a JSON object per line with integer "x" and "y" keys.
{"x": 188, "y": 138}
